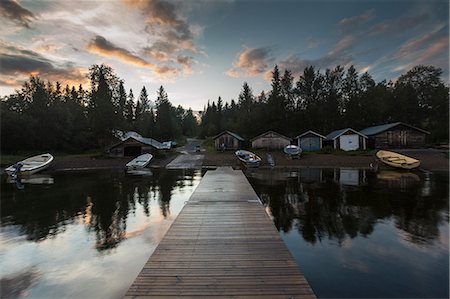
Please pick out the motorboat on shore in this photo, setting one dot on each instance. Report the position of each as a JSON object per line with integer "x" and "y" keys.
{"x": 397, "y": 160}
{"x": 293, "y": 151}
{"x": 248, "y": 158}
{"x": 139, "y": 162}
{"x": 30, "y": 165}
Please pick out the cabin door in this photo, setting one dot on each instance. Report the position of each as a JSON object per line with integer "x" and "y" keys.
{"x": 403, "y": 138}
{"x": 349, "y": 142}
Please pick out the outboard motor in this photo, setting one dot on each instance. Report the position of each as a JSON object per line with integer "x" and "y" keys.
{"x": 17, "y": 168}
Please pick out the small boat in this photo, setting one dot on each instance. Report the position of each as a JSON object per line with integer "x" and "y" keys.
{"x": 139, "y": 162}
{"x": 292, "y": 151}
{"x": 30, "y": 165}
{"x": 397, "y": 160}
{"x": 248, "y": 158}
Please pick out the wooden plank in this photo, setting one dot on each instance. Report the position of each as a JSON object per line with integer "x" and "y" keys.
{"x": 222, "y": 245}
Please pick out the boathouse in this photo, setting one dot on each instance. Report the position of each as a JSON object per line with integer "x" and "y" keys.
{"x": 396, "y": 134}
{"x": 228, "y": 140}
{"x": 347, "y": 139}
{"x": 310, "y": 141}
{"x": 270, "y": 140}
{"x": 132, "y": 144}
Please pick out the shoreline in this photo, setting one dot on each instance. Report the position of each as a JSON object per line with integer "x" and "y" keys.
{"x": 430, "y": 161}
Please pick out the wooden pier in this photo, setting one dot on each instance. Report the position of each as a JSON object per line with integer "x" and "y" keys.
{"x": 222, "y": 244}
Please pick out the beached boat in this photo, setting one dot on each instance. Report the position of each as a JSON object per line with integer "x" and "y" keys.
{"x": 30, "y": 165}
{"x": 248, "y": 158}
{"x": 397, "y": 160}
{"x": 139, "y": 162}
{"x": 292, "y": 151}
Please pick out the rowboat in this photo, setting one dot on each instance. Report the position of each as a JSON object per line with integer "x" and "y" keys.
{"x": 248, "y": 158}
{"x": 292, "y": 151}
{"x": 139, "y": 162}
{"x": 397, "y": 160}
{"x": 30, "y": 165}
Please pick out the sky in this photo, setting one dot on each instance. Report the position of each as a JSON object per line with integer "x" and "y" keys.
{"x": 202, "y": 49}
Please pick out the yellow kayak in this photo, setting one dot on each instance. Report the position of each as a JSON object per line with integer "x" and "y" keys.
{"x": 397, "y": 160}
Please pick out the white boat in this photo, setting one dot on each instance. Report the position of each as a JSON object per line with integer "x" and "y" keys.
{"x": 248, "y": 158}
{"x": 292, "y": 151}
{"x": 30, "y": 165}
{"x": 139, "y": 162}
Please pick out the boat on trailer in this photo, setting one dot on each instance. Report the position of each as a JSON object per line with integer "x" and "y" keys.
{"x": 248, "y": 158}
{"x": 30, "y": 165}
{"x": 397, "y": 160}
{"x": 293, "y": 151}
{"x": 139, "y": 162}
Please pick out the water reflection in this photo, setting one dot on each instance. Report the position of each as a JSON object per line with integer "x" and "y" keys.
{"x": 18, "y": 284}
{"x": 102, "y": 200}
{"x": 346, "y": 203}
{"x": 356, "y": 233}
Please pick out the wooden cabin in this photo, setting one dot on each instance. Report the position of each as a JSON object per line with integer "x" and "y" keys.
{"x": 132, "y": 144}
{"x": 310, "y": 141}
{"x": 228, "y": 140}
{"x": 396, "y": 134}
{"x": 270, "y": 140}
{"x": 347, "y": 139}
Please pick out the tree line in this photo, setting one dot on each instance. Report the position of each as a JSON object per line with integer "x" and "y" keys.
{"x": 334, "y": 99}
{"x": 47, "y": 116}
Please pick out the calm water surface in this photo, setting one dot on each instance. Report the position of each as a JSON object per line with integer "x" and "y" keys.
{"x": 88, "y": 234}
{"x": 356, "y": 233}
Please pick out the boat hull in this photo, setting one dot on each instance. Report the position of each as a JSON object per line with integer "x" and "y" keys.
{"x": 247, "y": 158}
{"x": 293, "y": 151}
{"x": 397, "y": 160}
{"x": 139, "y": 162}
{"x": 29, "y": 168}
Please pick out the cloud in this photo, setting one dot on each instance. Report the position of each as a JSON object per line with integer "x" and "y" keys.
{"x": 413, "y": 45}
{"x": 355, "y": 21}
{"x": 161, "y": 50}
{"x": 18, "y": 14}
{"x": 186, "y": 63}
{"x": 18, "y": 64}
{"x": 438, "y": 47}
{"x": 398, "y": 25}
{"x": 164, "y": 20}
{"x": 251, "y": 62}
{"x": 99, "y": 45}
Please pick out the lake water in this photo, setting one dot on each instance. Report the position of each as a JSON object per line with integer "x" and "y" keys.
{"x": 357, "y": 233}
{"x": 354, "y": 233}
{"x": 88, "y": 234}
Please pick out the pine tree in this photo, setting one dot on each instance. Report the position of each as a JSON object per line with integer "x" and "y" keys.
{"x": 129, "y": 109}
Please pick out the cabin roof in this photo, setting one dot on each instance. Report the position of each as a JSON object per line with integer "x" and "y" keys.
{"x": 381, "y": 128}
{"x": 335, "y": 134}
{"x": 270, "y": 131}
{"x": 310, "y": 132}
{"x": 230, "y": 133}
{"x": 136, "y": 136}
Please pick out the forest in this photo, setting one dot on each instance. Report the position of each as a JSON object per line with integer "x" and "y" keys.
{"x": 48, "y": 116}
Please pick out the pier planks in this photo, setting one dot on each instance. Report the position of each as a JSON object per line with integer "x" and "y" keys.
{"x": 222, "y": 244}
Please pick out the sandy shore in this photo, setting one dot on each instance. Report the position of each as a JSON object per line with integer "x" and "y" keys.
{"x": 431, "y": 160}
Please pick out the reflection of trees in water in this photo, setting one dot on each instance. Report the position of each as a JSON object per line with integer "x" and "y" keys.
{"x": 324, "y": 208}
{"x": 103, "y": 199}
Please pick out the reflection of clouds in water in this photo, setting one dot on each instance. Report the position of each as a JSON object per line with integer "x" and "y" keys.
{"x": 433, "y": 247}
{"x": 18, "y": 284}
